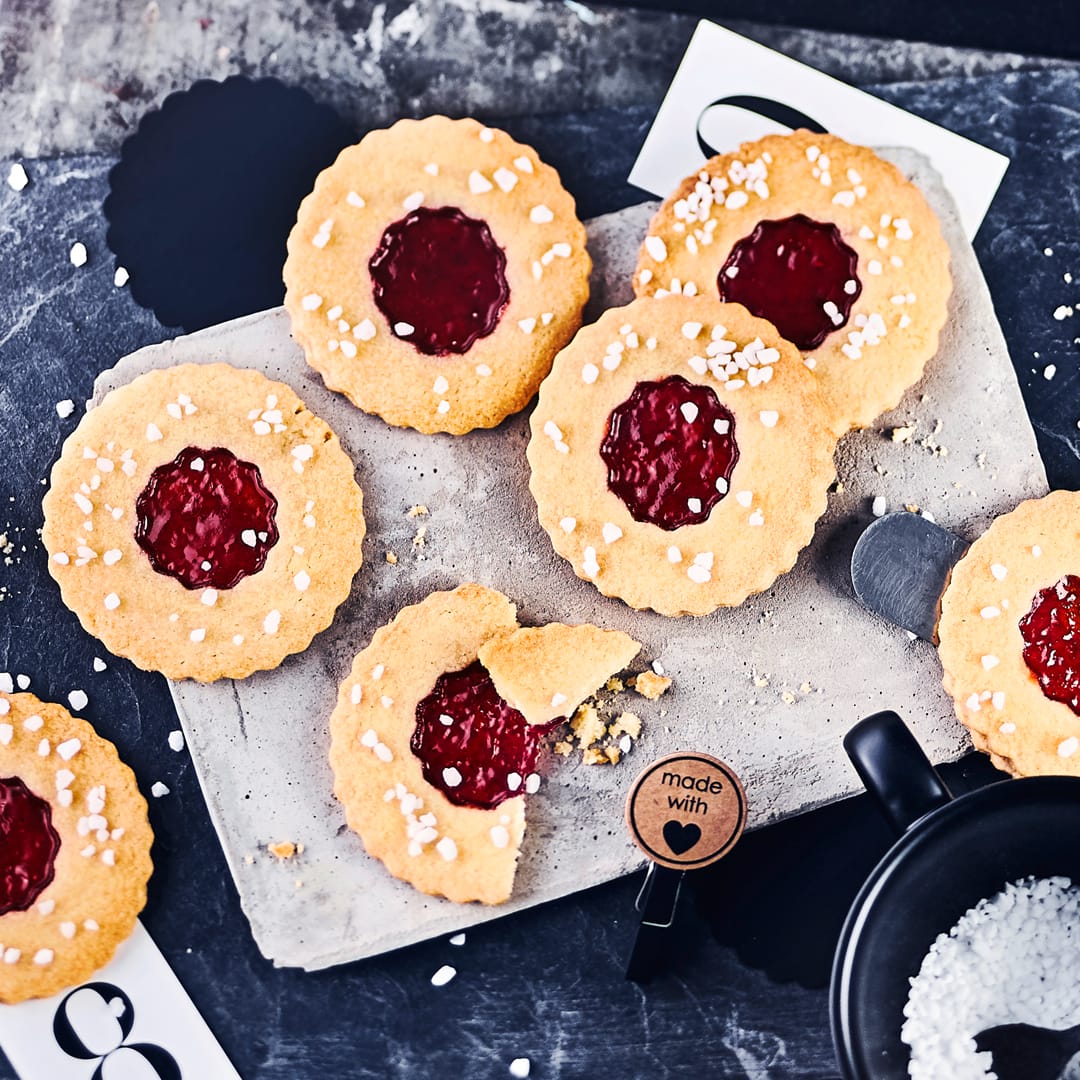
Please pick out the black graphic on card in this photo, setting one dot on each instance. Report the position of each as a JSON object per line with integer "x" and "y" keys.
{"x": 93, "y": 1022}
{"x": 776, "y": 111}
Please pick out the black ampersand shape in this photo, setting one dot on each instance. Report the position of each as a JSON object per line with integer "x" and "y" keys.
{"x": 771, "y": 110}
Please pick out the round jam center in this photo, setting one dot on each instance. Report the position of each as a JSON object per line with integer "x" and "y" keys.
{"x": 670, "y": 449}
{"x": 206, "y": 519}
{"x": 797, "y": 273}
{"x": 1051, "y": 633}
{"x": 28, "y": 846}
{"x": 472, "y": 745}
{"x": 440, "y": 280}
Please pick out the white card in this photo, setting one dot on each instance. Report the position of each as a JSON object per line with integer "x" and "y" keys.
{"x": 132, "y": 1019}
{"x": 719, "y": 65}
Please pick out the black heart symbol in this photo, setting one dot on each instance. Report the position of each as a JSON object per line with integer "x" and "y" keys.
{"x": 680, "y": 837}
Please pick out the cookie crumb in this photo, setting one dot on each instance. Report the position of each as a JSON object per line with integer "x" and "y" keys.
{"x": 614, "y": 684}
{"x": 419, "y": 510}
{"x": 902, "y": 434}
{"x": 419, "y": 540}
{"x": 587, "y": 725}
{"x": 911, "y": 508}
{"x": 650, "y": 685}
{"x": 284, "y": 849}
{"x": 391, "y": 558}
{"x": 563, "y": 748}
{"x": 787, "y": 697}
{"x": 249, "y": 860}
{"x": 806, "y": 688}
{"x": 626, "y": 723}
{"x": 760, "y": 681}
{"x": 593, "y": 755}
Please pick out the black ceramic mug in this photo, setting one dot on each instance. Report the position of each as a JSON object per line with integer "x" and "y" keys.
{"x": 951, "y": 853}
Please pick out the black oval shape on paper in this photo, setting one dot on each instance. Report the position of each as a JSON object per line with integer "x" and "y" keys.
{"x": 206, "y": 191}
{"x": 766, "y": 107}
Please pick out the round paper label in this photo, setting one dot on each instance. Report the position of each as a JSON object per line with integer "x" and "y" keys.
{"x": 686, "y": 810}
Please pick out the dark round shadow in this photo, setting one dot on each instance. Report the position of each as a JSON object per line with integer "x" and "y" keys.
{"x": 206, "y": 191}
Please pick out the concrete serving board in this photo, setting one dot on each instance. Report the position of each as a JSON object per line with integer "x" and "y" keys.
{"x": 770, "y": 686}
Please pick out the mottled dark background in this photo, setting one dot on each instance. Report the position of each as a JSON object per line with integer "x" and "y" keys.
{"x": 744, "y": 997}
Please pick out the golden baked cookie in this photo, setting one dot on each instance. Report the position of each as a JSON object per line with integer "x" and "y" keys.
{"x": 203, "y": 523}
{"x": 1009, "y": 637}
{"x": 76, "y": 850}
{"x": 430, "y": 763}
{"x": 680, "y": 454}
{"x": 434, "y": 272}
{"x": 825, "y": 240}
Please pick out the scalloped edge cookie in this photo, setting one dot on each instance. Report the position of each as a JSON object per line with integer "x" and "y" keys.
{"x": 991, "y": 589}
{"x": 151, "y": 618}
{"x": 103, "y": 864}
{"x": 469, "y": 854}
{"x": 866, "y": 364}
{"x": 777, "y": 491}
{"x": 435, "y": 162}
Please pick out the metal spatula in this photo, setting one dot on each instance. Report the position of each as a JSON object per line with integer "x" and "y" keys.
{"x": 1024, "y": 1052}
{"x": 900, "y": 567}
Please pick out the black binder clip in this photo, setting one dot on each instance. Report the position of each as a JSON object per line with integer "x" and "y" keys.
{"x": 685, "y": 812}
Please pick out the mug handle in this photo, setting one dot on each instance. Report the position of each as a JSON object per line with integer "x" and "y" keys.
{"x": 891, "y": 764}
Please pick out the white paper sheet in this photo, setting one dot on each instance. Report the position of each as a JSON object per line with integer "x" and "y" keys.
{"x": 720, "y": 65}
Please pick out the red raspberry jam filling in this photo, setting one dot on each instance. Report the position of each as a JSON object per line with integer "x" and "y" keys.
{"x": 1051, "y": 633}
{"x": 206, "y": 519}
{"x": 28, "y": 846}
{"x": 440, "y": 280}
{"x": 472, "y": 745}
{"x": 797, "y": 273}
{"x": 670, "y": 449}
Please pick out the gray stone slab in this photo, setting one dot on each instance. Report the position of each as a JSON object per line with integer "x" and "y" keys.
{"x": 740, "y": 675}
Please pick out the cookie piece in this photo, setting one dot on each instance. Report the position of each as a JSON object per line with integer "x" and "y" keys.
{"x": 430, "y": 762}
{"x": 825, "y": 240}
{"x": 76, "y": 849}
{"x": 680, "y": 454}
{"x": 548, "y": 671}
{"x": 203, "y": 523}
{"x": 1009, "y": 638}
{"x": 434, "y": 272}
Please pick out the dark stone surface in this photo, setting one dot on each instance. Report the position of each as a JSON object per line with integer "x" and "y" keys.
{"x": 546, "y": 984}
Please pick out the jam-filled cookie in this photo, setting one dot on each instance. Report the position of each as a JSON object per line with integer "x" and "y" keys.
{"x": 430, "y": 762}
{"x": 76, "y": 849}
{"x": 433, "y": 273}
{"x": 202, "y": 522}
{"x": 1009, "y": 637}
{"x": 827, "y": 241}
{"x": 680, "y": 454}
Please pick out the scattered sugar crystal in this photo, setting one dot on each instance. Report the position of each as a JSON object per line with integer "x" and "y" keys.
{"x": 159, "y": 790}
{"x": 65, "y": 408}
{"x": 176, "y": 740}
{"x": 443, "y": 975}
